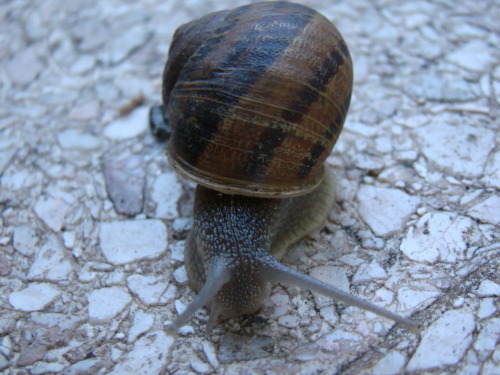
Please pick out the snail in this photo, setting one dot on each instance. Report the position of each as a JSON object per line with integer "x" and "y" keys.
{"x": 255, "y": 99}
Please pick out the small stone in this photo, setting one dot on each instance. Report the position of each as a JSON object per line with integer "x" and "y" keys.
{"x": 391, "y": 364}
{"x": 166, "y": 193}
{"x": 125, "y": 180}
{"x": 488, "y": 288}
{"x": 440, "y": 236}
{"x": 151, "y": 290}
{"x": 148, "y": 356}
{"x": 210, "y": 353}
{"x": 360, "y": 128}
{"x": 51, "y": 262}
{"x": 85, "y": 112}
{"x": 5, "y": 267}
{"x": 491, "y": 175}
{"x": 52, "y": 211}
{"x": 476, "y": 55}
{"x": 369, "y": 272}
{"x": 385, "y": 210}
{"x": 180, "y": 276}
{"x": 24, "y": 67}
{"x": 129, "y": 126}
{"x": 125, "y": 43}
{"x": 199, "y": 366}
{"x": 412, "y": 298}
{"x": 455, "y": 158}
{"x": 289, "y": 321}
{"x": 487, "y": 211}
{"x": 83, "y": 64}
{"x": 487, "y": 338}
{"x": 4, "y": 362}
{"x": 444, "y": 342}
{"x": 142, "y": 323}
{"x": 76, "y": 139}
{"x": 87, "y": 366}
{"x": 106, "y": 303}
{"x": 335, "y": 276}
{"x": 35, "y": 297}
{"x": 487, "y": 308}
{"x": 129, "y": 241}
{"x": 40, "y": 367}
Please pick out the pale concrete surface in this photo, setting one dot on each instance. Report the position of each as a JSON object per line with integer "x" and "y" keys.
{"x": 93, "y": 219}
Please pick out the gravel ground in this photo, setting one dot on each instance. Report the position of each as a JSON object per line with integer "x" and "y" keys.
{"x": 93, "y": 219}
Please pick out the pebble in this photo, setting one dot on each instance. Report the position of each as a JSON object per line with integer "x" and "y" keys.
{"x": 488, "y": 288}
{"x": 210, "y": 353}
{"x": 141, "y": 324}
{"x": 166, "y": 193}
{"x": 487, "y": 308}
{"x": 76, "y": 139}
{"x": 4, "y": 362}
{"x": 475, "y": 55}
{"x": 35, "y": 297}
{"x": 412, "y": 298}
{"x": 132, "y": 240}
{"x": 25, "y": 240}
{"x": 125, "y": 43}
{"x": 444, "y": 342}
{"x": 487, "y": 339}
{"x": 455, "y": 158}
{"x": 151, "y": 290}
{"x": 440, "y": 236}
{"x": 331, "y": 275}
{"x": 199, "y": 366}
{"x": 391, "y": 364}
{"x": 385, "y": 210}
{"x": 369, "y": 272}
{"x": 180, "y": 275}
{"x": 491, "y": 175}
{"x": 85, "y": 112}
{"x": 24, "y": 67}
{"x": 487, "y": 211}
{"x": 148, "y": 356}
{"x": 288, "y": 321}
{"x": 125, "y": 180}
{"x": 106, "y": 303}
{"x": 52, "y": 211}
{"x": 51, "y": 262}
{"x": 129, "y": 126}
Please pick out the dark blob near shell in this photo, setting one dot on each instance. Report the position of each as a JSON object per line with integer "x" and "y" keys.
{"x": 257, "y": 97}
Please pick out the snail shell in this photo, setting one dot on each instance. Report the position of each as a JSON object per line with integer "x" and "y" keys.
{"x": 257, "y": 97}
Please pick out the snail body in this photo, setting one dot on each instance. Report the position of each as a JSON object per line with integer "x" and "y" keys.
{"x": 255, "y": 98}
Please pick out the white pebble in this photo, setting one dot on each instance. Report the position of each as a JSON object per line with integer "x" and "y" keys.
{"x": 151, "y": 290}
{"x": 385, "y": 210}
{"x": 129, "y": 241}
{"x": 488, "y": 288}
{"x": 166, "y": 192}
{"x": 52, "y": 212}
{"x": 148, "y": 356}
{"x": 487, "y": 211}
{"x": 142, "y": 323}
{"x": 440, "y": 236}
{"x": 444, "y": 342}
{"x": 25, "y": 240}
{"x": 35, "y": 297}
{"x": 487, "y": 308}
{"x": 129, "y": 126}
{"x": 391, "y": 364}
{"x": 106, "y": 303}
{"x": 51, "y": 262}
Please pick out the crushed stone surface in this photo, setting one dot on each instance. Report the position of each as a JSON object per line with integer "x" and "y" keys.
{"x": 93, "y": 220}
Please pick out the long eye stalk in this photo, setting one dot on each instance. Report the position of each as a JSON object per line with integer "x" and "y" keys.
{"x": 280, "y": 273}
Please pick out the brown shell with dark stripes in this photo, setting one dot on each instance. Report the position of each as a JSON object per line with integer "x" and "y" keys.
{"x": 257, "y": 97}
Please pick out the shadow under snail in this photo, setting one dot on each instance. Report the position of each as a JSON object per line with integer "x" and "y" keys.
{"x": 255, "y": 98}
